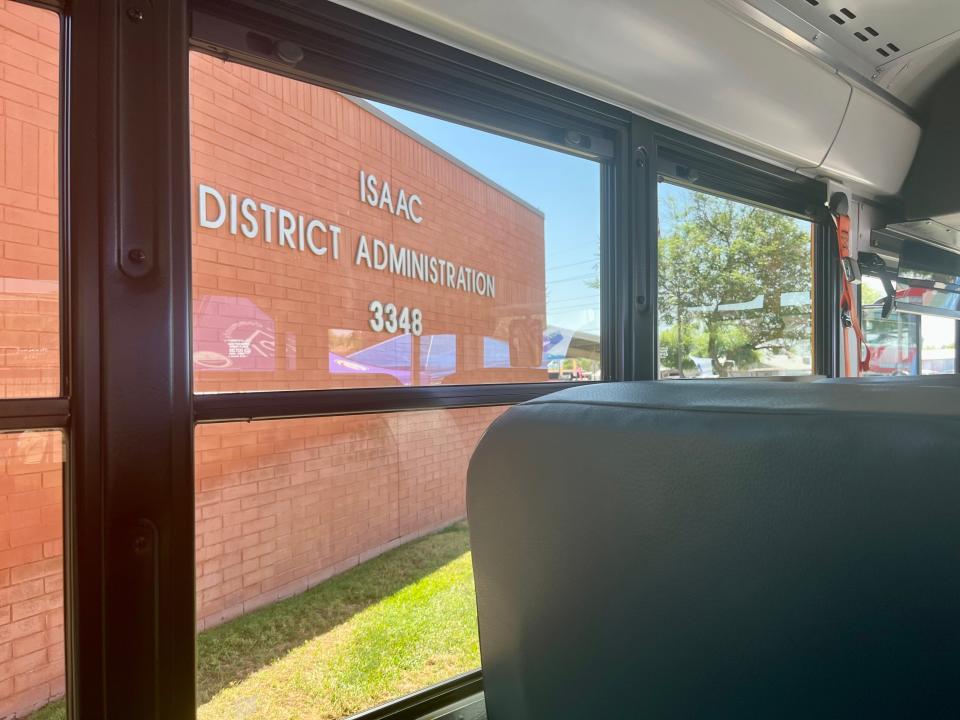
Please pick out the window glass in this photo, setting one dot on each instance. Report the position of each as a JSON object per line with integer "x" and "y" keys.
{"x": 29, "y": 217}
{"x": 904, "y": 343}
{"x": 340, "y": 243}
{"x": 31, "y": 572}
{"x": 893, "y": 340}
{"x": 333, "y": 564}
{"x": 939, "y": 337}
{"x": 735, "y": 289}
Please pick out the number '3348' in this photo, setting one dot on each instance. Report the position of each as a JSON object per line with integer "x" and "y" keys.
{"x": 391, "y": 319}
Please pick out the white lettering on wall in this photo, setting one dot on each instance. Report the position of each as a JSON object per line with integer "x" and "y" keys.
{"x": 315, "y": 225}
{"x": 250, "y": 227}
{"x": 206, "y": 193}
{"x": 300, "y": 233}
{"x": 380, "y": 196}
{"x": 387, "y": 317}
{"x": 399, "y": 260}
{"x": 247, "y": 217}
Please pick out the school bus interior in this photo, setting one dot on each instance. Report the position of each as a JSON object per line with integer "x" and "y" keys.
{"x": 426, "y": 360}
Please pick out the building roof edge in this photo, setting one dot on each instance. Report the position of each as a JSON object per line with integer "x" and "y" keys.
{"x": 393, "y": 122}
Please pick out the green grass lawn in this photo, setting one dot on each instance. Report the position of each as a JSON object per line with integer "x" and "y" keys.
{"x": 395, "y": 624}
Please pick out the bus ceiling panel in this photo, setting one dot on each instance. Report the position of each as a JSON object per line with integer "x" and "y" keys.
{"x": 696, "y": 65}
{"x": 912, "y": 77}
{"x": 874, "y": 146}
{"x": 881, "y": 38}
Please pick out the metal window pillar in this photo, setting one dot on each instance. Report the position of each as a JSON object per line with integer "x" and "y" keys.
{"x": 641, "y": 294}
{"x": 129, "y": 498}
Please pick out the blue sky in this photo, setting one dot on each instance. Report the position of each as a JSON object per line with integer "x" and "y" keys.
{"x": 565, "y": 188}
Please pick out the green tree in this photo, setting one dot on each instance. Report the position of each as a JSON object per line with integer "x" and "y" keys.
{"x": 718, "y": 258}
{"x": 870, "y": 293}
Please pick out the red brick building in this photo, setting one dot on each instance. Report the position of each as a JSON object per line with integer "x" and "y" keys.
{"x": 332, "y": 248}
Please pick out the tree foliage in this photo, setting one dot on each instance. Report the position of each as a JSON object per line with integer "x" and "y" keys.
{"x": 717, "y": 259}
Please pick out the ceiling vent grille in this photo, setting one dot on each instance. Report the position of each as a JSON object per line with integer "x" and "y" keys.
{"x": 838, "y": 21}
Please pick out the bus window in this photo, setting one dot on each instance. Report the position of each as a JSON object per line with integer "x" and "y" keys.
{"x": 339, "y": 243}
{"x": 893, "y": 340}
{"x": 903, "y": 343}
{"x": 938, "y": 355}
{"x": 735, "y": 288}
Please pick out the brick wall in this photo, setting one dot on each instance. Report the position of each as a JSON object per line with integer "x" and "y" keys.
{"x": 282, "y": 505}
{"x": 31, "y": 570}
{"x": 29, "y": 68}
{"x": 31, "y": 553}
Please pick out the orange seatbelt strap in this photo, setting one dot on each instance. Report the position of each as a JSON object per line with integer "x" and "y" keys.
{"x": 848, "y": 303}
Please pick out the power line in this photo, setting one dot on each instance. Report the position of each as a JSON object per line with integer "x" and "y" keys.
{"x": 574, "y": 264}
{"x": 585, "y": 276}
{"x": 554, "y": 303}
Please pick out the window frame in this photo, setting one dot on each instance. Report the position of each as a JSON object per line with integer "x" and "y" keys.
{"x": 699, "y": 165}
{"x": 518, "y": 108}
